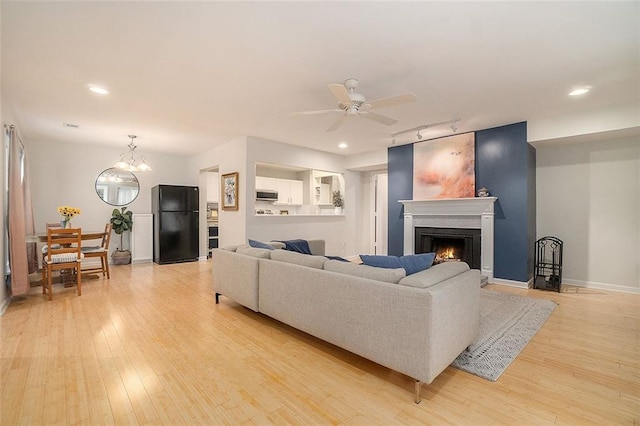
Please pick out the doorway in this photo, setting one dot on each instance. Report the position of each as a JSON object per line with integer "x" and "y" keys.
{"x": 379, "y": 198}
{"x": 209, "y": 201}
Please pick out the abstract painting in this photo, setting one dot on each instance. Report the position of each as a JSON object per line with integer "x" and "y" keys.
{"x": 444, "y": 168}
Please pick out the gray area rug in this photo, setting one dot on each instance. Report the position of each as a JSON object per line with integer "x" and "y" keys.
{"x": 507, "y": 324}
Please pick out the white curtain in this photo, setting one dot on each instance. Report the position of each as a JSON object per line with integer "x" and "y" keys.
{"x": 20, "y": 217}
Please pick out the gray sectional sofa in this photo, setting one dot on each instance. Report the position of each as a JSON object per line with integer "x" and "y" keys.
{"x": 415, "y": 324}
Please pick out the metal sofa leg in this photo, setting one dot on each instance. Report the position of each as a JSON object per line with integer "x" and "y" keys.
{"x": 217, "y": 298}
{"x": 417, "y": 395}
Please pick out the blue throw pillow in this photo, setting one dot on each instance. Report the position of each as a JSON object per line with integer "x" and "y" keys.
{"x": 380, "y": 261}
{"x": 416, "y": 262}
{"x": 258, "y": 244}
{"x": 411, "y": 263}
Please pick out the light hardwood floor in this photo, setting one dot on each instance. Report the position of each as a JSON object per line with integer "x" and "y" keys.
{"x": 149, "y": 346}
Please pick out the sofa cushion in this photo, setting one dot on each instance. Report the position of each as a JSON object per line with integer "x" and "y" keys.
{"x": 390, "y": 275}
{"x": 298, "y": 258}
{"x": 230, "y": 248}
{"x": 63, "y": 257}
{"x": 411, "y": 263}
{"x": 258, "y": 244}
{"x": 434, "y": 275}
{"x": 254, "y": 252}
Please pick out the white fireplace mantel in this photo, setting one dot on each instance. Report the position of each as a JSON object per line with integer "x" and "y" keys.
{"x": 474, "y": 213}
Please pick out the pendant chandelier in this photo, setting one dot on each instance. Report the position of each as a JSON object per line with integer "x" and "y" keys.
{"x": 129, "y": 162}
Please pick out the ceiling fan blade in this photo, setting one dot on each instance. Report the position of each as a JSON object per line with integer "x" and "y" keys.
{"x": 388, "y": 121}
{"x": 341, "y": 93}
{"x": 338, "y": 123}
{"x": 321, "y": 111}
{"x": 393, "y": 100}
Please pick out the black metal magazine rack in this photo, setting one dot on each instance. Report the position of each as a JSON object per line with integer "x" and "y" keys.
{"x": 547, "y": 272}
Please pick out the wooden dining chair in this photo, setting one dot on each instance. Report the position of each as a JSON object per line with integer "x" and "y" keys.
{"x": 65, "y": 252}
{"x": 101, "y": 251}
{"x": 46, "y": 247}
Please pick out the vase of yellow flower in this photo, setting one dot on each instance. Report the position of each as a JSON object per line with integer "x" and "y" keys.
{"x": 67, "y": 213}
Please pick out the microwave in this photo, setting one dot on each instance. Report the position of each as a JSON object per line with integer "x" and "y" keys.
{"x": 266, "y": 195}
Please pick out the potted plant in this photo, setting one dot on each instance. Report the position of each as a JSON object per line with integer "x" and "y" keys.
{"x": 121, "y": 221}
{"x": 338, "y": 202}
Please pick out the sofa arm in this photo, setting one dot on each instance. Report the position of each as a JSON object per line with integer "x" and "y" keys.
{"x": 316, "y": 247}
{"x": 455, "y": 318}
{"x": 236, "y": 277}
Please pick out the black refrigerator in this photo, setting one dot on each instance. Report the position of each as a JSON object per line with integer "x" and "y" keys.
{"x": 175, "y": 223}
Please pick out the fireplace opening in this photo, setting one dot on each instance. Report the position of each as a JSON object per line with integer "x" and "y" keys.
{"x": 448, "y": 249}
{"x": 450, "y": 244}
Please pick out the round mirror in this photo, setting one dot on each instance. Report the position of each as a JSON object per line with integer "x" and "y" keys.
{"x": 117, "y": 187}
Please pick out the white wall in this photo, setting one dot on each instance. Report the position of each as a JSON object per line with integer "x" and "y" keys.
{"x": 584, "y": 122}
{"x": 65, "y": 174}
{"x": 588, "y": 195}
{"x": 4, "y": 295}
{"x": 227, "y": 158}
{"x": 341, "y": 233}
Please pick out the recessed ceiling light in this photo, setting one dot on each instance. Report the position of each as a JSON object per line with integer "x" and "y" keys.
{"x": 342, "y": 145}
{"x": 580, "y": 91}
{"x": 99, "y": 90}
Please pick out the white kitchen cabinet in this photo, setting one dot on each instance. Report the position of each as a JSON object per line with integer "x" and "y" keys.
{"x": 289, "y": 192}
{"x": 296, "y": 192}
{"x": 264, "y": 183}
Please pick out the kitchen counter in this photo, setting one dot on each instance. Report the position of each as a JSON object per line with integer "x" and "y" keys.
{"x": 300, "y": 215}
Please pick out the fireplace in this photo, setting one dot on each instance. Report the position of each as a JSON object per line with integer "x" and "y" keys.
{"x": 450, "y": 244}
{"x": 468, "y": 214}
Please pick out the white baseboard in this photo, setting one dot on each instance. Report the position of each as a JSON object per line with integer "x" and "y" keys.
{"x": 602, "y": 286}
{"x": 577, "y": 283}
{"x": 511, "y": 283}
{"x": 5, "y": 304}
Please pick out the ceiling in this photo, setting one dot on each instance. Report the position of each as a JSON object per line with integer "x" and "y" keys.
{"x": 187, "y": 76}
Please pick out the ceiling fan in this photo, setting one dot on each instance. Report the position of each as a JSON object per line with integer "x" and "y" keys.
{"x": 352, "y": 104}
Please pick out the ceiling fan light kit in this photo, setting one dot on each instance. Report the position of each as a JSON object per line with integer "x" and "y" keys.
{"x": 351, "y": 103}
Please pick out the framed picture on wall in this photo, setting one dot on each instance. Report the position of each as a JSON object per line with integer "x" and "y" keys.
{"x": 230, "y": 191}
{"x": 444, "y": 168}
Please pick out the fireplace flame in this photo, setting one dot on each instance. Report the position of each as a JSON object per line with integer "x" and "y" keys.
{"x": 446, "y": 254}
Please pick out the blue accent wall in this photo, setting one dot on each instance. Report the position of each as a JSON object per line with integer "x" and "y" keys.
{"x": 505, "y": 164}
{"x": 400, "y": 169}
{"x": 502, "y": 166}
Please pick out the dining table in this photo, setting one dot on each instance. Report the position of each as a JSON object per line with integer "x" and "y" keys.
{"x": 41, "y": 237}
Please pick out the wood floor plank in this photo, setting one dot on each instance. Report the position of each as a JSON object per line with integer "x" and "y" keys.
{"x": 150, "y": 346}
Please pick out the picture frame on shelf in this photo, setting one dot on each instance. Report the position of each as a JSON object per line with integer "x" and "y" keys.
{"x": 229, "y": 191}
